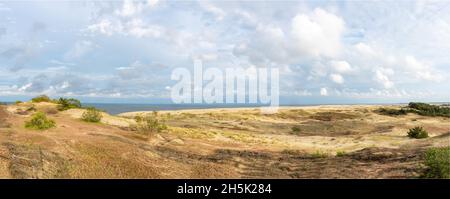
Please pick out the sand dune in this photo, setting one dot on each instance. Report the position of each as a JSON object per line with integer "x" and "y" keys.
{"x": 296, "y": 142}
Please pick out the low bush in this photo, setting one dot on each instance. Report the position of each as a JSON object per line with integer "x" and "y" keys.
{"x": 41, "y": 98}
{"x": 429, "y": 109}
{"x": 340, "y": 153}
{"x": 319, "y": 154}
{"x": 392, "y": 112}
{"x": 437, "y": 161}
{"x": 39, "y": 121}
{"x": 149, "y": 123}
{"x": 418, "y": 108}
{"x": 417, "y": 132}
{"x": 295, "y": 129}
{"x": 91, "y": 115}
{"x": 18, "y": 102}
{"x": 68, "y": 103}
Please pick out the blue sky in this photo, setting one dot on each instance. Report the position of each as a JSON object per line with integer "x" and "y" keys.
{"x": 327, "y": 51}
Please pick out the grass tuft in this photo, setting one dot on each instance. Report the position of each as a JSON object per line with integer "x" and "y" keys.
{"x": 39, "y": 121}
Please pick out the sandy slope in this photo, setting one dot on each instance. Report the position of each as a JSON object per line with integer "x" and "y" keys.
{"x": 219, "y": 143}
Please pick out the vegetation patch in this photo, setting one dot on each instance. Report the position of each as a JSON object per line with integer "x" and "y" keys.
{"x": 332, "y": 116}
{"x": 35, "y": 162}
{"x": 429, "y": 110}
{"x": 149, "y": 123}
{"x": 41, "y": 98}
{"x": 68, "y": 103}
{"x": 319, "y": 154}
{"x": 418, "y": 108}
{"x": 39, "y": 121}
{"x": 91, "y": 115}
{"x": 340, "y": 153}
{"x": 437, "y": 161}
{"x": 417, "y": 132}
{"x": 296, "y": 129}
{"x": 391, "y": 111}
{"x": 193, "y": 133}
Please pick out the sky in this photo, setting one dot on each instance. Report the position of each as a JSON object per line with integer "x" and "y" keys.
{"x": 326, "y": 51}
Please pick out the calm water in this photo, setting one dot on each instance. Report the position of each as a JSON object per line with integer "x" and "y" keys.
{"x": 122, "y": 108}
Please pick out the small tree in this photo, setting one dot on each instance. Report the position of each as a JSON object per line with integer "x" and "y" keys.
{"x": 91, "y": 115}
{"x": 68, "y": 103}
{"x": 39, "y": 121}
{"x": 417, "y": 132}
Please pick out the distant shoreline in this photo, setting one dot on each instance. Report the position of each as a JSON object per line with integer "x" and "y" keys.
{"x": 116, "y": 109}
{"x": 122, "y": 108}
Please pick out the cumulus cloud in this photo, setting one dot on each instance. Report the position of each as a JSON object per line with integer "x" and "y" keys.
{"x": 309, "y": 36}
{"x": 339, "y": 50}
{"x": 381, "y": 76}
{"x": 341, "y": 66}
{"x": 323, "y": 92}
{"x": 318, "y": 34}
{"x": 131, "y": 7}
{"x": 336, "y": 78}
{"x": 134, "y": 27}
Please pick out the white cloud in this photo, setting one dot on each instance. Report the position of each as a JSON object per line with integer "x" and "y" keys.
{"x": 131, "y": 7}
{"x": 421, "y": 70}
{"x": 216, "y": 11}
{"x": 364, "y": 49}
{"x": 309, "y": 36}
{"x": 336, "y": 78}
{"x": 381, "y": 76}
{"x": 323, "y": 92}
{"x": 341, "y": 66}
{"x": 135, "y": 27}
{"x": 318, "y": 34}
{"x": 138, "y": 28}
{"x": 105, "y": 26}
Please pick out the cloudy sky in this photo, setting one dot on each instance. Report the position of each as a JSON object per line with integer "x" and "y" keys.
{"x": 327, "y": 51}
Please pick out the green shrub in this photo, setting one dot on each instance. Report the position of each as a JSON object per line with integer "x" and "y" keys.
{"x": 340, "y": 153}
{"x": 418, "y": 108}
{"x": 18, "y": 102}
{"x": 91, "y": 115}
{"x": 429, "y": 110}
{"x": 417, "y": 132}
{"x": 437, "y": 161}
{"x": 149, "y": 123}
{"x": 39, "y": 121}
{"x": 319, "y": 154}
{"x": 68, "y": 103}
{"x": 41, "y": 98}
{"x": 295, "y": 129}
{"x": 392, "y": 112}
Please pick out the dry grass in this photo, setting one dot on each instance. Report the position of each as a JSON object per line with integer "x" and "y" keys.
{"x": 220, "y": 143}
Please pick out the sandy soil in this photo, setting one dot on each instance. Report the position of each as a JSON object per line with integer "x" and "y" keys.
{"x": 219, "y": 143}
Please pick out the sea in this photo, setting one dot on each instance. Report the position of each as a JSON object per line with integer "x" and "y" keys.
{"x": 117, "y": 108}
{"x": 123, "y": 108}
